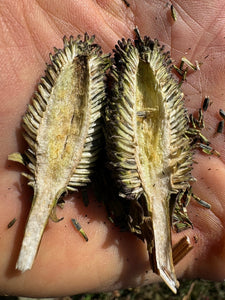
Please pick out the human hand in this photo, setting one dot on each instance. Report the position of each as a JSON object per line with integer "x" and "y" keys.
{"x": 65, "y": 263}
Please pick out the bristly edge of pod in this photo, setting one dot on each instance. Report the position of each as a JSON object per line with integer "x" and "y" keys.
{"x": 120, "y": 115}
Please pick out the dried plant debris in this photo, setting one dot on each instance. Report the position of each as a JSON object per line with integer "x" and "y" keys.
{"x": 149, "y": 153}
{"x": 180, "y": 219}
{"x": 198, "y": 140}
{"x": 63, "y": 131}
{"x": 181, "y": 249}
{"x": 173, "y": 12}
{"x": 183, "y": 72}
{"x": 190, "y": 64}
{"x": 222, "y": 113}
{"x": 77, "y": 225}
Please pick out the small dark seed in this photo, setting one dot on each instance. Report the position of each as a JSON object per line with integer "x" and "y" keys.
{"x": 222, "y": 113}
{"x": 220, "y": 126}
{"x": 205, "y": 104}
{"x": 126, "y": 3}
{"x": 11, "y": 223}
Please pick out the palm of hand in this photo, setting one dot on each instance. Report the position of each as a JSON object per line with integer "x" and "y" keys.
{"x": 63, "y": 265}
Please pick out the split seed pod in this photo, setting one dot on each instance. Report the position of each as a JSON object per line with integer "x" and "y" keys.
{"x": 63, "y": 131}
{"x": 149, "y": 154}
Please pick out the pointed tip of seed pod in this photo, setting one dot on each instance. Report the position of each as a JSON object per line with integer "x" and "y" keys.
{"x": 172, "y": 283}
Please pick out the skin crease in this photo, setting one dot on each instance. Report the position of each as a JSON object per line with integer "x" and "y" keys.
{"x": 66, "y": 264}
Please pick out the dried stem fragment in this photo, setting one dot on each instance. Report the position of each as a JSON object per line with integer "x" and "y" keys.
{"x": 181, "y": 249}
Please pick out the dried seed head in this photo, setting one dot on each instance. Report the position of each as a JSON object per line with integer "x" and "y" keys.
{"x": 148, "y": 150}
{"x": 63, "y": 131}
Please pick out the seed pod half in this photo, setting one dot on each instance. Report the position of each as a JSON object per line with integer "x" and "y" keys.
{"x": 149, "y": 154}
{"x": 63, "y": 131}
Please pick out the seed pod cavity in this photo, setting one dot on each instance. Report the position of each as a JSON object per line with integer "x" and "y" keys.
{"x": 62, "y": 129}
{"x": 146, "y": 125}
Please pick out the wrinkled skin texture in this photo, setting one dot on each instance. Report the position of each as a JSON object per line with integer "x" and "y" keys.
{"x": 65, "y": 263}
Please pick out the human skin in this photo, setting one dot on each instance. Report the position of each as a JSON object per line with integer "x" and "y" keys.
{"x": 66, "y": 264}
